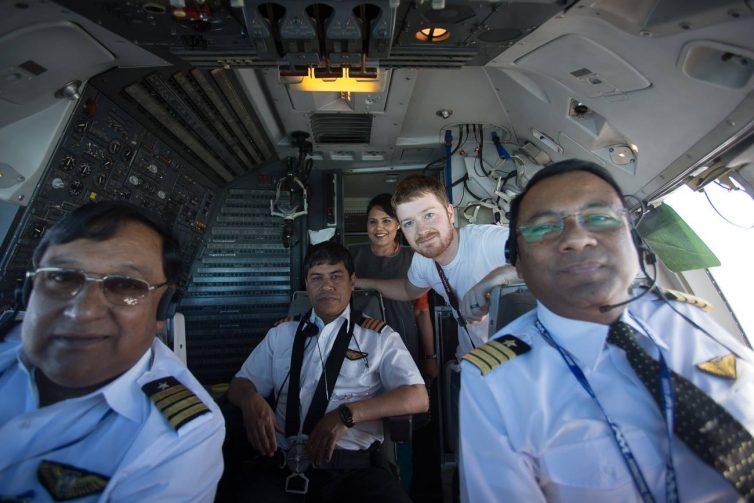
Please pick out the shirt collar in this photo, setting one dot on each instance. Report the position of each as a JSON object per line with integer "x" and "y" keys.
{"x": 118, "y": 393}
{"x": 345, "y": 315}
{"x": 647, "y": 340}
{"x": 583, "y": 339}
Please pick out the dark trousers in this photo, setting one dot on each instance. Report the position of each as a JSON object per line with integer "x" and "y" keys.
{"x": 263, "y": 481}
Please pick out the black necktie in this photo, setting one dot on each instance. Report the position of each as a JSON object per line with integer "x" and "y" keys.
{"x": 703, "y": 425}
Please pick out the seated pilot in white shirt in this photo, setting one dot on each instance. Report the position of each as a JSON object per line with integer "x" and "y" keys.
{"x": 349, "y": 372}
{"x": 600, "y": 394}
{"x": 94, "y": 407}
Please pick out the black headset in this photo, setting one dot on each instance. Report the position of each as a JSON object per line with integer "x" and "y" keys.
{"x": 646, "y": 255}
{"x": 511, "y": 248}
{"x": 23, "y": 293}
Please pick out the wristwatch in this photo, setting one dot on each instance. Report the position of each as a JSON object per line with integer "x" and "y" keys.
{"x": 346, "y": 417}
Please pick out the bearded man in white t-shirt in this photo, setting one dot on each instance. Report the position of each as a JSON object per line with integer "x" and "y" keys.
{"x": 471, "y": 259}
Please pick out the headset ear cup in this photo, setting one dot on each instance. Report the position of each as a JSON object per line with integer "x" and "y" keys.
{"x": 645, "y": 253}
{"x": 164, "y": 305}
{"x": 510, "y": 250}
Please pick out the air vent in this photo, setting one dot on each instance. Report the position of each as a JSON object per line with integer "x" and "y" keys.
{"x": 424, "y": 56}
{"x": 341, "y": 128}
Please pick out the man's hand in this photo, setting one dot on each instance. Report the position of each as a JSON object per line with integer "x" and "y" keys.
{"x": 260, "y": 423}
{"x": 475, "y": 304}
{"x": 323, "y": 437}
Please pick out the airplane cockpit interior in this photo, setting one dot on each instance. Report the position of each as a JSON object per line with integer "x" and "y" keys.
{"x": 254, "y": 129}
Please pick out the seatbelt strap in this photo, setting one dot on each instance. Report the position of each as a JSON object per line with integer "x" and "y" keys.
{"x": 292, "y": 408}
{"x": 332, "y": 369}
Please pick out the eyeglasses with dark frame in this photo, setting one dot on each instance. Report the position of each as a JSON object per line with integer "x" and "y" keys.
{"x": 64, "y": 283}
{"x": 551, "y": 226}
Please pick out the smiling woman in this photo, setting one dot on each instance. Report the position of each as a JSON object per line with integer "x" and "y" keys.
{"x": 384, "y": 258}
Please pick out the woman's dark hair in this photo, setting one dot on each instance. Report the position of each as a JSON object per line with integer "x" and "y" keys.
{"x": 559, "y": 168}
{"x": 328, "y": 252}
{"x": 101, "y": 221}
{"x": 384, "y": 202}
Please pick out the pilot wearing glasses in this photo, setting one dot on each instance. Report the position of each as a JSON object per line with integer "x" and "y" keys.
{"x": 603, "y": 392}
{"x": 95, "y": 408}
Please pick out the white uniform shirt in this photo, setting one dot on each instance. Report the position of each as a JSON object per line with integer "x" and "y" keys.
{"x": 529, "y": 431}
{"x": 116, "y": 432}
{"x": 387, "y": 366}
{"x": 480, "y": 250}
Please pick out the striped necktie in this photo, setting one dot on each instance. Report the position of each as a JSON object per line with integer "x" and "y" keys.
{"x": 703, "y": 425}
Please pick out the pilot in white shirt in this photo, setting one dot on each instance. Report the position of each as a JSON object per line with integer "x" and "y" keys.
{"x": 529, "y": 432}
{"x": 562, "y": 403}
{"x": 375, "y": 362}
{"x": 349, "y": 372}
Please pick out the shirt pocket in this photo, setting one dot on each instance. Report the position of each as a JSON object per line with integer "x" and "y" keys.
{"x": 356, "y": 381}
{"x": 595, "y": 470}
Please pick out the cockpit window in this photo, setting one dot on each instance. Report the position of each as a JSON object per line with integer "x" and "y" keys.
{"x": 724, "y": 219}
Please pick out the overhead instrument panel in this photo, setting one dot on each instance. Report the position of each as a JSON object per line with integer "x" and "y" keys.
{"x": 296, "y": 35}
{"x": 105, "y": 154}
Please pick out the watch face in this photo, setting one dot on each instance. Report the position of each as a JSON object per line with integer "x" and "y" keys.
{"x": 345, "y": 416}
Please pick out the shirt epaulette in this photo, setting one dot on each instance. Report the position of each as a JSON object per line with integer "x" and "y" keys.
{"x": 687, "y": 298}
{"x": 287, "y": 318}
{"x": 496, "y": 352}
{"x": 175, "y": 401}
{"x": 372, "y": 324}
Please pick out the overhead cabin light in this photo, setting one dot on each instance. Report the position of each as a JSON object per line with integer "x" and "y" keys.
{"x": 433, "y": 34}
{"x": 621, "y": 154}
{"x": 344, "y": 84}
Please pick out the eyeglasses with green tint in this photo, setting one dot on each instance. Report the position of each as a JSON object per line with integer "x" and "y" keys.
{"x": 550, "y": 226}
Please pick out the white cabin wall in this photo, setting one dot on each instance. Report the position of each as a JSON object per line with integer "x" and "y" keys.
{"x": 664, "y": 120}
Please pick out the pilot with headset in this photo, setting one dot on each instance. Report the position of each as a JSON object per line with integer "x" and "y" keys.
{"x": 333, "y": 375}
{"x": 601, "y": 394}
{"x": 95, "y": 408}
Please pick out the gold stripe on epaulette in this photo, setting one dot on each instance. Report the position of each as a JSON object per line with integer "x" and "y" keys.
{"x": 496, "y": 352}
{"x": 175, "y": 408}
{"x": 499, "y": 350}
{"x": 169, "y": 400}
{"x": 482, "y": 361}
{"x": 161, "y": 395}
{"x": 283, "y": 320}
{"x": 379, "y": 325}
{"x": 187, "y": 415}
{"x": 177, "y": 403}
{"x": 687, "y": 298}
{"x": 372, "y": 324}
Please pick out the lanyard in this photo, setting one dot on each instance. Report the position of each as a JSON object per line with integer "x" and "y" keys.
{"x": 454, "y": 303}
{"x": 668, "y": 407}
{"x": 628, "y": 456}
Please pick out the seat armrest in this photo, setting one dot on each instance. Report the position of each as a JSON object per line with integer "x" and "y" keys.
{"x": 399, "y": 427}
